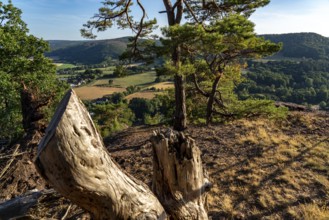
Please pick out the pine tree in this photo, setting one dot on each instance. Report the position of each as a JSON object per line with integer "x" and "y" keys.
{"x": 199, "y": 13}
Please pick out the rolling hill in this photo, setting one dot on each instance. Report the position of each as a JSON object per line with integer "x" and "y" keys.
{"x": 301, "y": 45}
{"x": 295, "y": 45}
{"x": 86, "y": 52}
{"x": 299, "y": 73}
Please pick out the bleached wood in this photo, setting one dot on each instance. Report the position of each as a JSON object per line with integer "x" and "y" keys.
{"x": 179, "y": 180}
{"x": 73, "y": 159}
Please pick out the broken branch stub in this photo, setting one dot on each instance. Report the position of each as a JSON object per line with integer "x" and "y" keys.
{"x": 179, "y": 180}
{"x": 73, "y": 159}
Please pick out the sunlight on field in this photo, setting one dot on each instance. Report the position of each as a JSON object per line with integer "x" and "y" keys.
{"x": 141, "y": 80}
{"x": 107, "y": 70}
{"x": 162, "y": 85}
{"x": 60, "y": 66}
{"x": 143, "y": 94}
{"x": 101, "y": 82}
{"x": 94, "y": 92}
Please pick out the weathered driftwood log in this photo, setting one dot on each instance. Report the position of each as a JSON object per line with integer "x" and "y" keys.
{"x": 179, "y": 181}
{"x": 73, "y": 159}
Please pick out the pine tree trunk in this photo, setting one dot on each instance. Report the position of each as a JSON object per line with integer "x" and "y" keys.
{"x": 180, "y": 101}
{"x": 211, "y": 100}
{"x": 179, "y": 181}
{"x": 73, "y": 159}
{"x": 174, "y": 16}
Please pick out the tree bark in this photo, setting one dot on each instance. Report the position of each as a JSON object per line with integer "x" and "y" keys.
{"x": 211, "y": 100}
{"x": 179, "y": 181}
{"x": 180, "y": 117}
{"x": 32, "y": 113}
{"x": 73, "y": 159}
{"x": 180, "y": 101}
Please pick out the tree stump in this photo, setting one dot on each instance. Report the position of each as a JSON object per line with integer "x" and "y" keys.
{"x": 73, "y": 159}
{"x": 179, "y": 181}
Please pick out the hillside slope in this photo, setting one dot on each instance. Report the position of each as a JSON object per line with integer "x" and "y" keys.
{"x": 301, "y": 45}
{"x": 259, "y": 169}
{"x": 87, "y": 52}
{"x": 295, "y": 45}
{"x": 299, "y": 73}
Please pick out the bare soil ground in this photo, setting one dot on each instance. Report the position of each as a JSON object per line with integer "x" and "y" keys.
{"x": 260, "y": 169}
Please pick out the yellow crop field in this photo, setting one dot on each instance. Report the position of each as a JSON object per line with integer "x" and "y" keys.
{"x": 143, "y": 94}
{"x": 162, "y": 85}
{"x": 94, "y": 92}
{"x": 140, "y": 80}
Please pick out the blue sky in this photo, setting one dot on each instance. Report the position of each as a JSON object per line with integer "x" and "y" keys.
{"x": 62, "y": 19}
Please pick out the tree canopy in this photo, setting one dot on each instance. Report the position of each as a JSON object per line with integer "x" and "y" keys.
{"x": 22, "y": 63}
{"x": 218, "y": 32}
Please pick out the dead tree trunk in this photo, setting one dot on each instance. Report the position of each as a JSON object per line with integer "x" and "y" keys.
{"x": 73, "y": 159}
{"x": 179, "y": 180}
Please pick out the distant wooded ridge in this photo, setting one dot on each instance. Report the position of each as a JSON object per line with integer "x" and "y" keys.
{"x": 87, "y": 52}
{"x": 299, "y": 73}
{"x": 295, "y": 45}
{"x": 301, "y": 45}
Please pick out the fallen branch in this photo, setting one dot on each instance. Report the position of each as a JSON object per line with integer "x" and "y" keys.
{"x": 10, "y": 156}
{"x": 67, "y": 212}
{"x": 19, "y": 207}
{"x": 10, "y": 161}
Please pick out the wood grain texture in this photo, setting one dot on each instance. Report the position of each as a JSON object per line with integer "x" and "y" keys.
{"x": 73, "y": 159}
{"x": 179, "y": 180}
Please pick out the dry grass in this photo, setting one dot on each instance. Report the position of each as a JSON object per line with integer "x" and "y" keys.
{"x": 143, "y": 94}
{"x": 259, "y": 169}
{"x": 309, "y": 212}
{"x": 94, "y": 92}
{"x": 270, "y": 171}
{"x": 100, "y": 87}
{"x": 162, "y": 85}
{"x": 141, "y": 80}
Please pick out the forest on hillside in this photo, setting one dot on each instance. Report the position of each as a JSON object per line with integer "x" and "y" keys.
{"x": 301, "y": 45}
{"x": 303, "y": 82}
{"x": 87, "y": 52}
{"x": 298, "y": 73}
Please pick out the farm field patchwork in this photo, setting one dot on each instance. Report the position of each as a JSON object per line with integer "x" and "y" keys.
{"x": 60, "y": 66}
{"x": 94, "y": 92}
{"x": 100, "y": 87}
{"x": 142, "y": 94}
{"x": 141, "y": 80}
{"x": 162, "y": 85}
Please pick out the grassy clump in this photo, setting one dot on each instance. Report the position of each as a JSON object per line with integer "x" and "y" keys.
{"x": 273, "y": 171}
